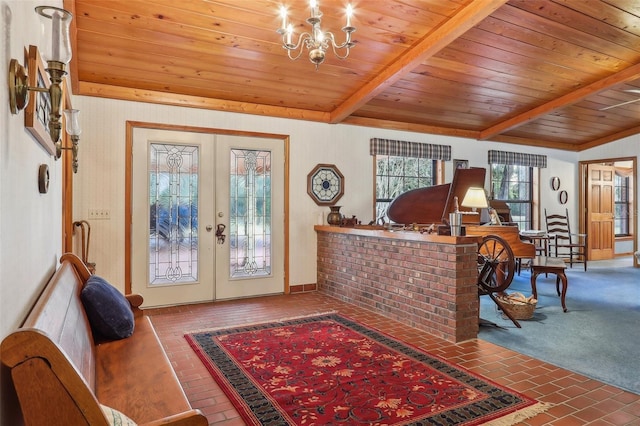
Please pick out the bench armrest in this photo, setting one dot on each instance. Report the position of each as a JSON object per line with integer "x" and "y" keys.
{"x": 135, "y": 300}
{"x": 78, "y": 264}
{"x": 188, "y": 418}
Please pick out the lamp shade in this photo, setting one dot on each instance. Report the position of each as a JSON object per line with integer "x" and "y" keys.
{"x": 56, "y": 24}
{"x": 71, "y": 117}
{"x": 475, "y": 198}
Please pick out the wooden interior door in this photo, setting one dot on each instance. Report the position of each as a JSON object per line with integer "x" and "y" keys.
{"x": 600, "y": 208}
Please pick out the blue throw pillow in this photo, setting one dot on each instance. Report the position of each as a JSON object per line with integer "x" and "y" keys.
{"x": 109, "y": 312}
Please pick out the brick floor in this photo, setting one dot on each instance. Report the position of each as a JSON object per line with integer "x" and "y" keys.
{"x": 577, "y": 399}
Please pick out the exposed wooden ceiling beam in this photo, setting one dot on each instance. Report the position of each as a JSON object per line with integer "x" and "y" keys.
{"x": 466, "y": 18}
{"x": 514, "y": 140}
{"x": 176, "y": 99}
{"x": 614, "y": 137}
{"x": 409, "y": 127}
{"x": 628, "y": 74}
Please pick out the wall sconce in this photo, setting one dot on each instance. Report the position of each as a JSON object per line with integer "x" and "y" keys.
{"x": 57, "y": 56}
{"x": 73, "y": 129}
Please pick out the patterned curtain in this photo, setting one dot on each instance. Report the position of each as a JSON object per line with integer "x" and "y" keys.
{"x": 517, "y": 158}
{"x": 409, "y": 149}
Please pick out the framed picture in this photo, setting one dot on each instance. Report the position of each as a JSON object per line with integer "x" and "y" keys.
{"x": 460, "y": 164}
{"x": 555, "y": 183}
{"x": 36, "y": 117}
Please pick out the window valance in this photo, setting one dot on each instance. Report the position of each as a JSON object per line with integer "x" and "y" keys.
{"x": 517, "y": 158}
{"x": 409, "y": 149}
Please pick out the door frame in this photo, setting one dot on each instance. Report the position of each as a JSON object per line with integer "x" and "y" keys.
{"x": 128, "y": 193}
{"x": 583, "y": 186}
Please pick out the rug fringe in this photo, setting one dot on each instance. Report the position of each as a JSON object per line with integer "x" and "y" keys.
{"x": 317, "y": 314}
{"x": 248, "y": 324}
{"x": 520, "y": 415}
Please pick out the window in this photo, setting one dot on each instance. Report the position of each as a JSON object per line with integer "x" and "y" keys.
{"x": 396, "y": 175}
{"x": 402, "y": 166}
{"x": 621, "y": 214}
{"x": 514, "y": 185}
{"x": 513, "y": 181}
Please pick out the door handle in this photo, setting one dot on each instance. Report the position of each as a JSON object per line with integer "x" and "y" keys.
{"x": 220, "y": 233}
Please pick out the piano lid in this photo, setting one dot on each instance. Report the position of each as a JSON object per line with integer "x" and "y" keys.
{"x": 434, "y": 203}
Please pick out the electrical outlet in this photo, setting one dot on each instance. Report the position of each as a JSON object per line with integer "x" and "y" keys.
{"x": 99, "y": 214}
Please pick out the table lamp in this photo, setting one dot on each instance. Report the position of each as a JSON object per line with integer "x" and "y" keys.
{"x": 475, "y": 198}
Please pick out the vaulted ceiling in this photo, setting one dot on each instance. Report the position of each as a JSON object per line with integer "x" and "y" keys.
{"x": 554, "y": 74}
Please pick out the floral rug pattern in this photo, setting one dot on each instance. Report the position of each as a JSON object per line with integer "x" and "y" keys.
{"x": 329, "y": 369}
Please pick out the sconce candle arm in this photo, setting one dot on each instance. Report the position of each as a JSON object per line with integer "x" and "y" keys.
{"x": 56, "y": 72}
{"x": 73, "y": 130}
{"x": 74, "y": 151}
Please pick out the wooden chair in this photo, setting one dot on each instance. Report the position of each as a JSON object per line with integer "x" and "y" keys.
{"x": 565, "y": 243}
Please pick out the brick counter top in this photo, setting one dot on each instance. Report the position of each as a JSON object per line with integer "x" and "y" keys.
{"x": 372, "y": 231}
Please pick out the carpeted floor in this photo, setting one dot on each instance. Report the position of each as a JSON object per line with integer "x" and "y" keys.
{"x": 598, "y": 336}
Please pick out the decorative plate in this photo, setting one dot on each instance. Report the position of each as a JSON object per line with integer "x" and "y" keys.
{"x": 325, "y": 184}
{"x": 563, "y": 197}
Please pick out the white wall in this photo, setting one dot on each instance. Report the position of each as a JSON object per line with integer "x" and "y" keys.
{"x": 30, "y": 228}
{"x": 30, "y": 222}
{"x": 100, "y": 181}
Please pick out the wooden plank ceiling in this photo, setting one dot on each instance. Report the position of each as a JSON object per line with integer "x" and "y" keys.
{"x": 532, "y": 72}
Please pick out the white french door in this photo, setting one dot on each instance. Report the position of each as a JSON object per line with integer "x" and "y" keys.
{"x": 250, "y": 206}
{"x": 207, "y": 216}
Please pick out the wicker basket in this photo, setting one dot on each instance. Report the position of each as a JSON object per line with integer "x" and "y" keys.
{"x": 519, "y": 306}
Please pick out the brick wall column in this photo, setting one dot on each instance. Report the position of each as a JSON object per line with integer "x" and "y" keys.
{"x": 427, "y": 282}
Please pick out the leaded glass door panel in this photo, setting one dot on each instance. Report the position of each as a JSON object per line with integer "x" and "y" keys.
{"x": 173, "y": 208}
{"x": 251, "y": 207}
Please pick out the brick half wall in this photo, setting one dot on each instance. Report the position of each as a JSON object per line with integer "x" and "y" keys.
{"x": 424, "y": 284}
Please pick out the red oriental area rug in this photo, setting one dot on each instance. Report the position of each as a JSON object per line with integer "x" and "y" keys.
{"x": 330, "y": 370}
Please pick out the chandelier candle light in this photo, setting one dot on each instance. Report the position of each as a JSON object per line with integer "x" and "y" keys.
{"x": 317, "y": 41}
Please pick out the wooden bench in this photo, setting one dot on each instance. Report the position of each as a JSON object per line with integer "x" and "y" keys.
{"x": 62, "y": 376}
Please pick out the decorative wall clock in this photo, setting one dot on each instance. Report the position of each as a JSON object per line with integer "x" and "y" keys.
{"x": 325, "y": 184}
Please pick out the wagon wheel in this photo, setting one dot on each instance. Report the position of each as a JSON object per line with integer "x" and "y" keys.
{"x": 496, "y": 264}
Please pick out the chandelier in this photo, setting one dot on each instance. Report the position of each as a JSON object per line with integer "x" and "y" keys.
{"x": 317, "y": 41}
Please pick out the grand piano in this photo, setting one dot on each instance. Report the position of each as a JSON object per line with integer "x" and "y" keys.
{"x": 432, "y": 205}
